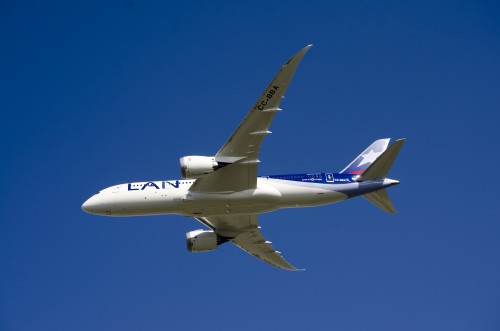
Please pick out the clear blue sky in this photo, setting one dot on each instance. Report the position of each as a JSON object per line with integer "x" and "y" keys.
{"x": 97, "y": 93}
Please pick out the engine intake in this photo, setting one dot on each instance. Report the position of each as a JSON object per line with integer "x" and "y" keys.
{"x": 203, "y": 240}
{"x": 197, "y": 166}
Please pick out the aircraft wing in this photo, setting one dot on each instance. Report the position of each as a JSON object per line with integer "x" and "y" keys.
{"x": 241, "y": 150}
{"x": 245, "y": 231}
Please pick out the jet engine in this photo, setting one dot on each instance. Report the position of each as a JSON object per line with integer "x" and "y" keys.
{"x": 197, "y": 166}
{"x": 203, "y": 241}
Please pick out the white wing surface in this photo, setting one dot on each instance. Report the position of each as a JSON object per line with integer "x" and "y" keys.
{"x": 245, "y": 233}
{"x": 241, "y": 150}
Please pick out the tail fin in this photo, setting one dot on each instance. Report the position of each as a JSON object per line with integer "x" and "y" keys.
{"x": 378, "y": 170}
{"x": 381, "y": 166}
{"x": 365, "y": 159}
{"x": 381, "y": 199}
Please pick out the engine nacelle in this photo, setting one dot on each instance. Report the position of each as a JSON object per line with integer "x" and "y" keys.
{"x": 197, "y": 166}
{"x": 201, "y": 241}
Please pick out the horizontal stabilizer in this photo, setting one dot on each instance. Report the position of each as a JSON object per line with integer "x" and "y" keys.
{"x": 381, "y": 166}
{"x": 381, "y": 199}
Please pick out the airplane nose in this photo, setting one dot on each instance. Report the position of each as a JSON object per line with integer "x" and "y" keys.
{"x": 86, "y": 207}
{"x": 91, "y": 204}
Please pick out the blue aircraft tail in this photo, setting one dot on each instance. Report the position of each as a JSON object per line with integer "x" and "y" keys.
{"x": 379, "y": 169}
{"x": 365, "y": 159}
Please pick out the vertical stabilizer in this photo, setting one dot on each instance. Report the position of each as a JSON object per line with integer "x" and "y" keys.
{"x": 365, "y": 159}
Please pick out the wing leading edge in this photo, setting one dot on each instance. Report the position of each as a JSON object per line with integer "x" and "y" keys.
{"x": 242, "y": 148}
{"x": 245, "y": 233}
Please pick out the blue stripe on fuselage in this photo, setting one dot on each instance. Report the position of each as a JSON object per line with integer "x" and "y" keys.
{"x": 324, "y": 178}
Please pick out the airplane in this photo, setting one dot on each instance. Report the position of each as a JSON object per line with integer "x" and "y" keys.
{"x": 224, "y": 192}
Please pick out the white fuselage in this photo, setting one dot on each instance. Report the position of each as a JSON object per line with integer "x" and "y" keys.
{"x": 174, "y": 197}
